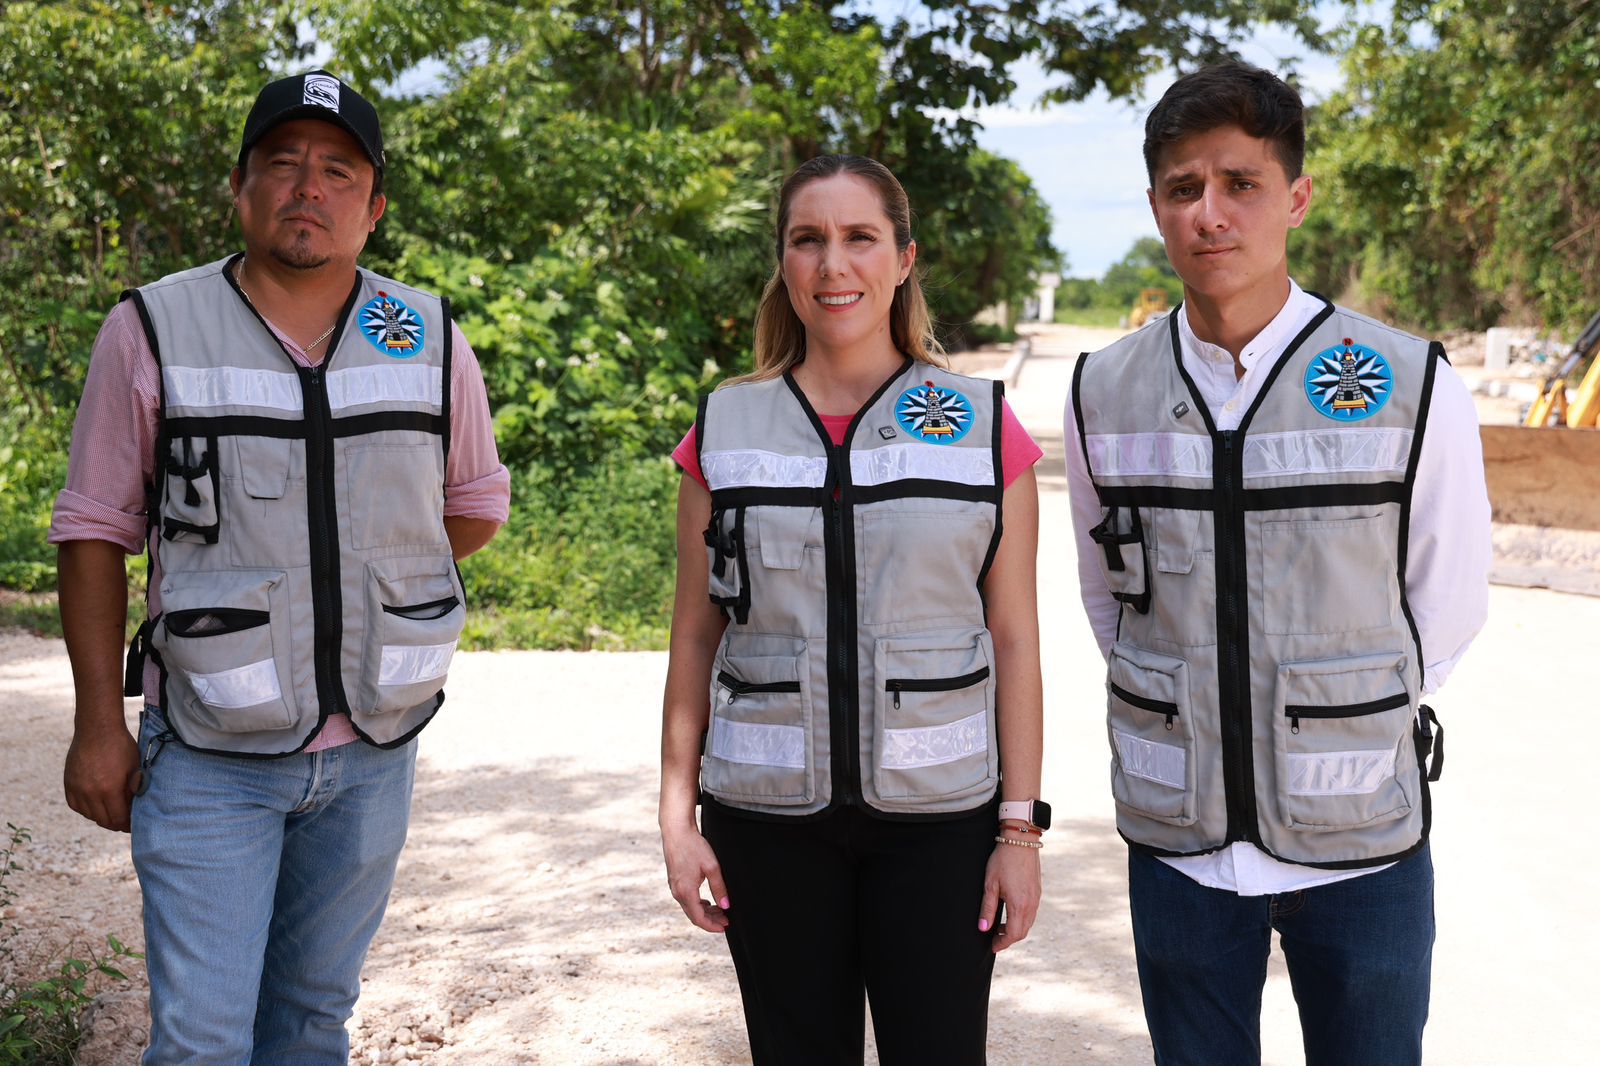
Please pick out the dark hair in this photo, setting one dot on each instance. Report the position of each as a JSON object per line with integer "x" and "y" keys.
{"x": 1229, "y": 94}
{"x": 780, "y": 336}
{"x": 377, "y": 175}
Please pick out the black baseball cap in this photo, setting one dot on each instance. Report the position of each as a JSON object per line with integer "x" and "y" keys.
{"x": 319, "y": 95}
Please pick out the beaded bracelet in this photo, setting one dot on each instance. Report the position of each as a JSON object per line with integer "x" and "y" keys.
{"x": 1019, "y": 843}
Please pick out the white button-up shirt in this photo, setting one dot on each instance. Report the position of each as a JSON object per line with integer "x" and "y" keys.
{"x": 1447, "y": 558}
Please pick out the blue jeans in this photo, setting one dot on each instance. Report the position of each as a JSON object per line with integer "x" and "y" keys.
{"x": 1359, "y": 953}
{"x": 264, "y": 881}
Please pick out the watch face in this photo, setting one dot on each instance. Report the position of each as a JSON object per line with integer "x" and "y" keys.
{"x": 1041, "y": 814}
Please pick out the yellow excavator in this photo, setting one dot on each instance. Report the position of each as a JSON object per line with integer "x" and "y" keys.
{"x": 1546, "y": 471}
{"x": 1152, "y": 302}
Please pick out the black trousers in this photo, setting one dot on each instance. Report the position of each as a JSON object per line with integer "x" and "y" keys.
{"x": 821, "y": 910}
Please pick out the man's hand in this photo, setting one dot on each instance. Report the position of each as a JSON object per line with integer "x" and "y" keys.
{"x": 101, "y": 776}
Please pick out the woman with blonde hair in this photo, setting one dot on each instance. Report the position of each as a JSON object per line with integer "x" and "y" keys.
{"x": 853, "y": 692}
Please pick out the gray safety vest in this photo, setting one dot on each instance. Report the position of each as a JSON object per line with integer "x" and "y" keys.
{"x": 298, "y": 517}
{"x": 1265, "y": 680}
{"x": 856, "y": 667}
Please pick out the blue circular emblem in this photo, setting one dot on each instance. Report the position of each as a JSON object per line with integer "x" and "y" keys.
{"x": 1349, "y": 382}
{"x": 929, "y": 413}
{"x": 392, "y": 327}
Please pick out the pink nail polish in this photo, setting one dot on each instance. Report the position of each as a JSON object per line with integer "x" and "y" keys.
{"x": 983, "y": 925}
{"x": 723, "y": 902}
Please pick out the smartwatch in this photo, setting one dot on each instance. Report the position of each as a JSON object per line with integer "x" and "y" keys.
{"x": 1035, "y": 812}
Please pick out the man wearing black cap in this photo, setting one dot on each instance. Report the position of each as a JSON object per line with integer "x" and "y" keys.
{"x": 304, "y": 448}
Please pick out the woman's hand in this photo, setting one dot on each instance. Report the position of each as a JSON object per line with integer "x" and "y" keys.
{"x": 690, "y": 861}
{"x": 1013, "y": 876}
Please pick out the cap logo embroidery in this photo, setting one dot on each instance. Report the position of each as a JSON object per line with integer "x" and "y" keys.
{"x": 934, "y": 415}
{"x": 392, "y": 327}
{"x": 321, "y": 90}
{"x": 1349, "y": 382}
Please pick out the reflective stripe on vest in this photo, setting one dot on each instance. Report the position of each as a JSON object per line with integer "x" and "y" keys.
{"x": 856, "y": 667}
{"x": 1265, "y": 679}
{"x": 297, "y": 515}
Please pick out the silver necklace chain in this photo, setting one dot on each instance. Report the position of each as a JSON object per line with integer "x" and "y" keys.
{"x": 239, "y": 280}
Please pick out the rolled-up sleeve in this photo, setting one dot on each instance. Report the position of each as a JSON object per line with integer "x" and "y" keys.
{"x": 113, "y": 440}
{"x": 477, "y": 485}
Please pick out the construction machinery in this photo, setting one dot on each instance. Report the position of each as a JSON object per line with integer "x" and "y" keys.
{"x": 1545, "y": 472}
{"x": 1151, "y": 303}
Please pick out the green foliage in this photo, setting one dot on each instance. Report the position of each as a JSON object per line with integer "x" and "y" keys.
{"x": 1455, "y": 183}
{"x": 39, "y": 1017}
{"x": 1142, "y": 266}
{"x": 588, "y": 564}
{"x": 591, "y": 184}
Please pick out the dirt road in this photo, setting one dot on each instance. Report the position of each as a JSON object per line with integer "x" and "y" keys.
{"x": 531, "y": 922}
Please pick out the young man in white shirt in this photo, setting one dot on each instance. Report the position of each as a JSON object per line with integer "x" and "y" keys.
{"x": 1283, "y": 541}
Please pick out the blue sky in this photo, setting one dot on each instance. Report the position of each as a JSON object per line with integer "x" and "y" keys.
{"x": 1085, "y": 158}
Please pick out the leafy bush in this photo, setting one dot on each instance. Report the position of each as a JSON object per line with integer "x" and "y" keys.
{"x": 587, "y": 565}
{"x": 39, "y": 1017}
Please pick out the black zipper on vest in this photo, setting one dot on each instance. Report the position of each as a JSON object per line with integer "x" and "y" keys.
{"x": 847, "y": 715}
{"x": 737, "y": 687}
{"x": 898, "y": 685}
{"x": 321, "y": 509}
{"x": 1234, "y": 640}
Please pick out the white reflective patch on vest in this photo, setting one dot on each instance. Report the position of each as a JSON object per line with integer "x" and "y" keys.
{"x": 243, "y": 686}
{"x": 908, "y": 749}
{"x": 1328, "y": 451}
{"x": 1147, "y": 454}
{"x": 897, "y": 462}
{"x": 393, "y": 383}
{"x": 1161, "y": 763}
{"x": 1338, "y": 773}
{"x": 759, "y": 745}
{"x": 753, "y": 467}
{"x": 230, "y": 386}
{"x": 407, "y": 664}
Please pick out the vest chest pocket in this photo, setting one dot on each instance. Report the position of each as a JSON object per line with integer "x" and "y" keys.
{"x": 1341, "y": 734}
{"x": 1184, "y": 578}
{"x": 1321, "y": 575}
{"x": 224, "y": 641}
{"x": 759, "y": 746}
{"x": 189, "y": 508}
{"x": 414, "y": 617}
{"x": 395, "y": 495}
{"x": 266, "y": 496}
{"x": 934, "y": 710}
{"x": 922, "y": 566}
{"x": 1152, "y": 734}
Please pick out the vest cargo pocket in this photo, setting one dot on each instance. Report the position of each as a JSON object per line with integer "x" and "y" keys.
{"x": 1151, "y": 731}
{"x": 758, "y": 742}
{"x": 934, "y": 712}
{"x": 223, "y": 639}
{"x": 729, "y": 559}
{"x": 1124, "y": 557}
{"x": 189, "y": 511}
{"x": 414, "y": 616}
{"x": 1342, "y": 734}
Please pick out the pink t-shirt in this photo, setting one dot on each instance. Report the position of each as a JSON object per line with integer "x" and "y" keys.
{"x": 114, "y": 446}
{"x": 1018, "y": 450}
